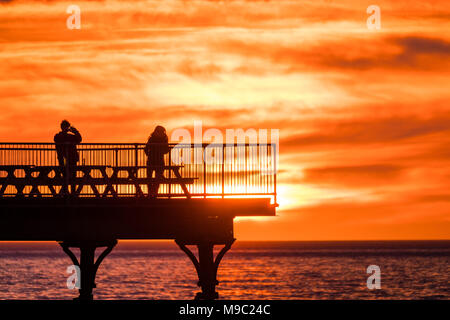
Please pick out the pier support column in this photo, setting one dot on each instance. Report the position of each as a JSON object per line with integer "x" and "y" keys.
{"x": 206, "y": 266}
{"x": 87, "y": 264}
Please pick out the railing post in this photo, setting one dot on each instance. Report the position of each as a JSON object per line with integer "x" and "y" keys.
{"x": 246, "y": 150}
{"x": 223, "y": 171}
{"x": 136, "y": 155}
{"x": 204, "y": 171}
{"x": 67, "y": 169}
{"x": 274, "y": 147}
{"x": 116, "y": 151}
{"x": 170, "y": 172}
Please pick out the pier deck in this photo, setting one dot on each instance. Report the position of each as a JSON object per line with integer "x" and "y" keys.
{"x": 92, "y": 219}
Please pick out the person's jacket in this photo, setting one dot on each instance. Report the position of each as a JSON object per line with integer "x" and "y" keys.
{"x": 155, "y": 149}
{"x": 66, "y": 147}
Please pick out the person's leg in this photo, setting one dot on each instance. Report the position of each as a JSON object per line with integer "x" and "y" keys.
{"x": 72, "y": 170}
{"x": 150, "y": 176}
{"x": 158, "y": 175}
{"x": 65, "y": 180}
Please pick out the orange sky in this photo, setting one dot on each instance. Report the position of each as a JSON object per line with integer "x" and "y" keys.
{"x": 363, "y": 115}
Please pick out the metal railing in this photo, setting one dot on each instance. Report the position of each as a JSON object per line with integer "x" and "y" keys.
{"x": 219, "y": 171}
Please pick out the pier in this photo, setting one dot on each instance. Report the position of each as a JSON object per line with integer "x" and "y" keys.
{"x": 106, "y": 199}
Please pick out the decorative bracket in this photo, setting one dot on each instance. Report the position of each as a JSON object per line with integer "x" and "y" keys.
{"x": 87, "y": 265}
{"x": 206, "y": 266}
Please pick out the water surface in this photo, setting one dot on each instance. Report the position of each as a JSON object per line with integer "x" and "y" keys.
{"x": 250, "y": 270}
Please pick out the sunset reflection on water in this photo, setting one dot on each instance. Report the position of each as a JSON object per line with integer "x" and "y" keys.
{"x": 251, "y": 270}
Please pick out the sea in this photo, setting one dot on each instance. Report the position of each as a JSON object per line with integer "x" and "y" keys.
{"x": 250, "y": 270}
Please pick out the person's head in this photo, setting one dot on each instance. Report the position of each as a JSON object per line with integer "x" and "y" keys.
{"x": 65, "y": 125}
{"x": 159, "y": 131}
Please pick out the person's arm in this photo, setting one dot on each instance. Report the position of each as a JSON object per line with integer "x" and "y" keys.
{"x": 148, "y": 146}
{"x": 166, "y": 146}
{"x": 56, "y": 138}
{"x": 77, "y": 135}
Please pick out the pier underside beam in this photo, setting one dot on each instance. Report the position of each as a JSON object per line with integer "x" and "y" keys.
{"x": 206, "y": 266}
{"x": 87, "y": 264}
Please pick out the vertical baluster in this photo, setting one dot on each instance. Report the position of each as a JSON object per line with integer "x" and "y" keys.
{"x": 223, "y": 170}
{"x": 275, "y": 173}
{"x": 204, "y": 171}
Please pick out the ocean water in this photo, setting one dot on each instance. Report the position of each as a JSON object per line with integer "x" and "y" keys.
{"x": 250, "y": 270}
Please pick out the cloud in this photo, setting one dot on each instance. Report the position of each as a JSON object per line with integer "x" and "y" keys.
{"x": 435, "y": 198}
{"x": 350, "y": 52}
{"x": 354, "y": 176}
{"x": 368, "y": 131}
{"x": 418, "y": 45}
{"x": 196, "y": 70}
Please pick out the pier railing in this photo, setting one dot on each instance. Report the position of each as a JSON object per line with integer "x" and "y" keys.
{"x": 120, "y": 170}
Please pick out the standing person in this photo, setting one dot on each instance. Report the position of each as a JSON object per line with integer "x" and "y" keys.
{"x": 66, "y": 148}
{"x": 157, "y": 146}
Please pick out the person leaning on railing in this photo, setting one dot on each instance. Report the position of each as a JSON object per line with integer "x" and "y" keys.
{"x": 66, "y": 148}
{"x": 157, "y": 146}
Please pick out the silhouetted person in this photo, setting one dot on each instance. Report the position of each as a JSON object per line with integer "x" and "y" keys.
{"x": 157, "y": 146}
{"x": 66, "y": 148}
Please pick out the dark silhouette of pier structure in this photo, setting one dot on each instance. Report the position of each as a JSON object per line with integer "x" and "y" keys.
{"x": 106, "y": 199}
